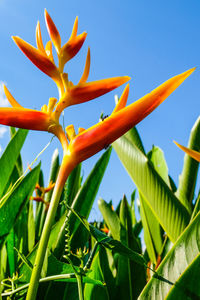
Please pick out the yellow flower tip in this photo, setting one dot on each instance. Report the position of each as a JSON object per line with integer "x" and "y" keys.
{"x": 75, "y": 29}
{"x": 123, "y": 100}
{"x": 65, "y": 80}
{"x": 49, "y": 50}
{"x": 39, "y": 37}
{"x": 186, "y": 74}
{"x": 81, "y": 130}
{"x": 70, "y": 132}
{"x": 87, "y": 68}
{"x": 10, "y": 98}
{"x": 53, "y": 31}
{"x": 15, "y": 38}
{"x": 194, "y": 154}
{"x": 44, "y": 108}
{"x": 51, "y": 104}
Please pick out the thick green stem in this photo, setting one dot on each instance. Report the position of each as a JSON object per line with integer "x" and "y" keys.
{"x": 65, "y": 169}
{"x": 80, "y": 286}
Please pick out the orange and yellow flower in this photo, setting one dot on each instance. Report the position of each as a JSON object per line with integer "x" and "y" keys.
{"x": 87, "y": 142}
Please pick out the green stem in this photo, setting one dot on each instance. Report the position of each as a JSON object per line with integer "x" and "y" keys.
{"x": 80, "y": 286}
{"x": 64, "y": 172}
{"x": 45, "y": 279}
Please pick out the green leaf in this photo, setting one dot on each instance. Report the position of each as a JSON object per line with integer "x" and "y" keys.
{"x": 134, "y": 138}
{"x": 92, "y": 292}
{"x": 131, "y": 276}
{"x": 85, "y": 198}
{"x": 152, "y": 230}
{"x": 10, "y": 209}
{"x": 187, "y": 286}
{"x": 111, "y": 218}
{"x": 156, "y": 156}
{"x": 72, "y": 185}
{"x": 3, "y": 260}
{"x": 196, "y": 207}
{"x": 19, "y": 164}
{"x": 107, "y": 273}
{"x": 10, "y": 156}
{"x": 188, "y": 177}
{"x": 171, "y": 214}
{"x": 31, "y": 227}
{"x": 179, "y": 265}
{"x": 11, "y": 252}
{"x": 147, "y": 218}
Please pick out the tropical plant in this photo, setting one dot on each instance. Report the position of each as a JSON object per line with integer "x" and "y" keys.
{"x": 50, "y": 250}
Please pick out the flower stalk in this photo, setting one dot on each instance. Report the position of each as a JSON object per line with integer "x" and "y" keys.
{"x": 65, "y": 170}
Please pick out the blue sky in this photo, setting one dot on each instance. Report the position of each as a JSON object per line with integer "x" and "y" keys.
{"x": 150, "y": 41}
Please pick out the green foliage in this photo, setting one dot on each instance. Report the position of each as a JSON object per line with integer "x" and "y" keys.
{"x": 144, "y": 249}
{"x": 169, "y": 211}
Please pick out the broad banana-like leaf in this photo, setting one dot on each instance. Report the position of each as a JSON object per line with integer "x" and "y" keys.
{"x": 170, "y": 213}
{"x": 156, "y": 156}
{"x": 151, "y": 226}
{"x": 180, "y": 268}
{"x": 72, "y": 185}
{"x": 152, "y": 230}
{"x": 188, "y": 177}
{"x": 133, "y": 136}
{"x": 111, "y": 218}
{"x": 11, "y": 207}
{"x": 196, "y": 207}
{"x": 147, "y": 218}
{"x": 131, "y": 277}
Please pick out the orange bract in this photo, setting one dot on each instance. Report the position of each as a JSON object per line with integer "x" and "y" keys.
{"x": 92, "y": 140}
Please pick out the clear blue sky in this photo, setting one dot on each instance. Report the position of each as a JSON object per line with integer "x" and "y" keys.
{"x": 150, "y": 41}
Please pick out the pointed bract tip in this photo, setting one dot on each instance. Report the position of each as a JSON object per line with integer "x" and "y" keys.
{"x": 188, "y": 72}
{"x": 75, "y": 28}
{"x": 121, "y": 103}
{"x": 126, "y": 78}
{"x": 14, "y": 37}
{"x": 45, "y": 12}
{"x": 194, "y": 154}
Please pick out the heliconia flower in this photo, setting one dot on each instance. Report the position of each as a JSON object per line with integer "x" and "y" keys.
{"x": 194, "y": 154}
{"x": 99, "y": 136}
